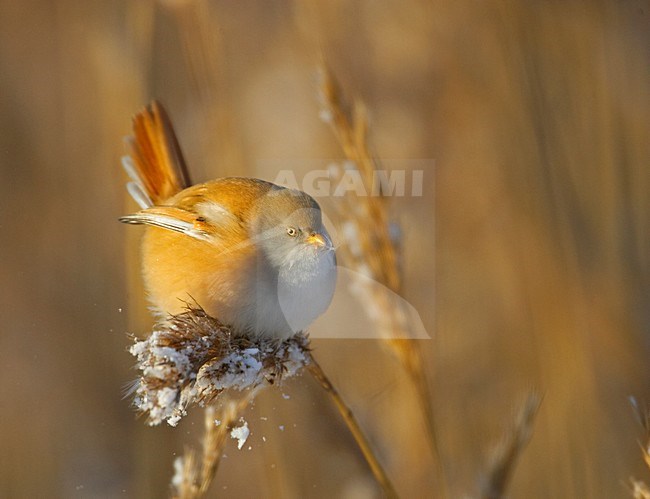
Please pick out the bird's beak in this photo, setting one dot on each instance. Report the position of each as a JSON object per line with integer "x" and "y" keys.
{"x": 318, "y": 240}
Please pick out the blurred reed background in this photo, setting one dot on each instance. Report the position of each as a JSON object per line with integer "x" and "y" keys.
{"x": 535, "y": 115}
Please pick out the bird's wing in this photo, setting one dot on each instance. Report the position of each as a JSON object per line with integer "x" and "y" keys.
{"x": 196, "y": 214}
{"x": 215, "y": 211}
{"x": 175, "y": 219}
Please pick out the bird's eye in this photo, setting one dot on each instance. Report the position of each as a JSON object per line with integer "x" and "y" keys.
{"x": 292, "y": 231}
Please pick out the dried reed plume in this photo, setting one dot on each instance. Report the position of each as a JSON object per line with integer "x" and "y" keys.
{"x": 193, "y": 475}
{"x": 505, "y": 454}
{"x": 639, "y": 488}
{"x": 191, "y": 358}
{"x": 371, "y": 247}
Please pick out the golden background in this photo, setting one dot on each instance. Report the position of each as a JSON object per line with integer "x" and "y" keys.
{"x": 528, "y": 255}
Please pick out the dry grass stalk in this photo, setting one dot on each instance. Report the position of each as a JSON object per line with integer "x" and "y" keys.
{"x": 200, "y": 34}
{"x": 192, "y": 477}
{"x": 506, "y": 453}
{"x": 639, "y": 489}
{"x": 353, "y": 425}
{"x": 201, "y": 46}
{"x": 376, "y": 249}
{"x": 185, "y": 479}
{"x": 374, "y": 253}
{"x": 191, "y": 358}
{"x": 643, "y": 416}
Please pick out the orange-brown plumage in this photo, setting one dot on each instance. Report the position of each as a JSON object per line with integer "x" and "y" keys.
{"x": 156, "y": 154}
{"x": 225, "y": 244}
{"x": 208, "y": 269}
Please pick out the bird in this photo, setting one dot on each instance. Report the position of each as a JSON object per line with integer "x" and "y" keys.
{"x": 250, "y": 253}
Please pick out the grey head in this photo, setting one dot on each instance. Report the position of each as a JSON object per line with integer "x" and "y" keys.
{"x": 287, "y": 225}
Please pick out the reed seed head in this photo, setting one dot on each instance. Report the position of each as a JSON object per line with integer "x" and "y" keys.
{"x": 191, "y": 358}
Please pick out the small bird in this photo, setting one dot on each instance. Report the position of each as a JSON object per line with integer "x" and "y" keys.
{"x": 252, "y": 254}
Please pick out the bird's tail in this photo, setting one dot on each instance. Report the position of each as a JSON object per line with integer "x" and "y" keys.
{"x": 154, "y": 160}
